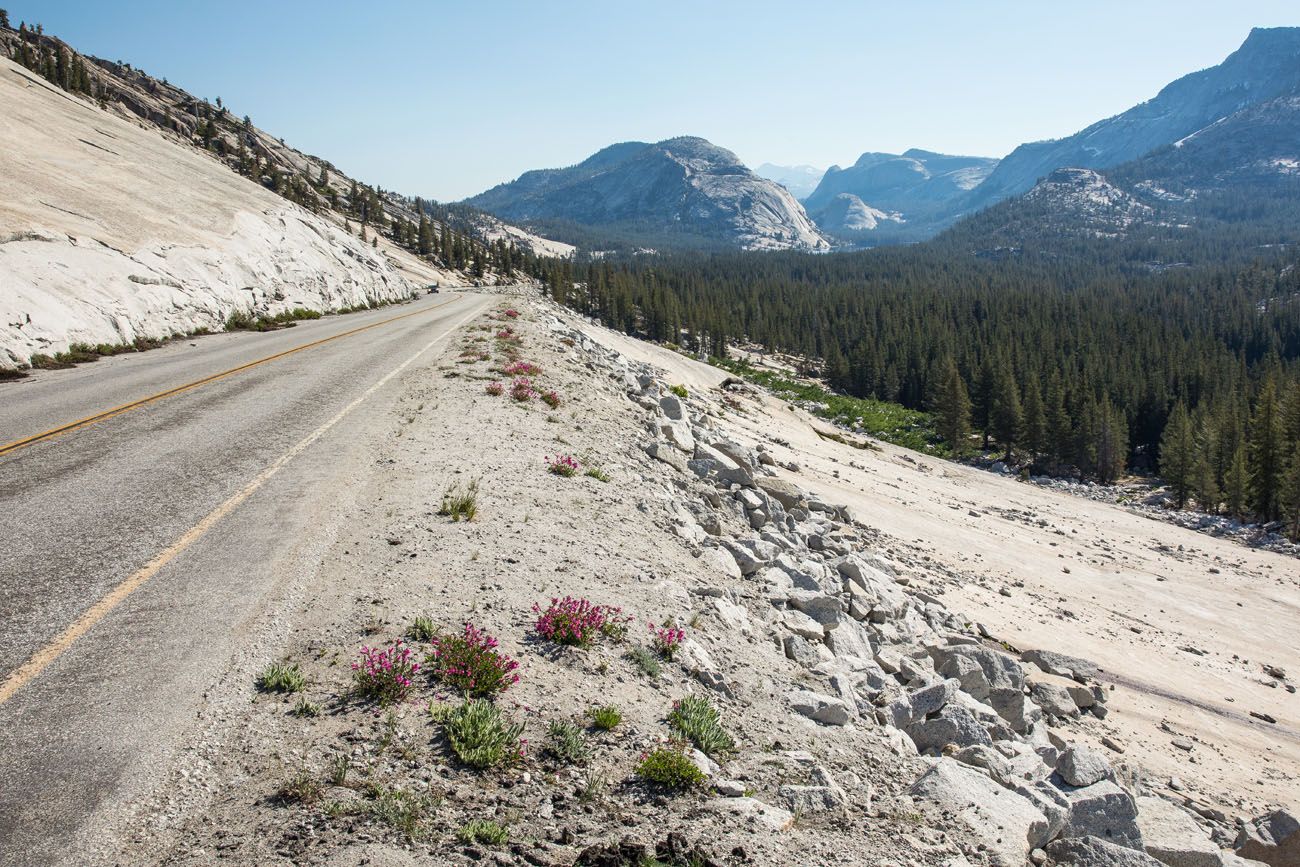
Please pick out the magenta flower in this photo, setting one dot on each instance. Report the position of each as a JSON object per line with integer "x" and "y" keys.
{"x": 384, "y": 674}
{"x": 471, "y": 662}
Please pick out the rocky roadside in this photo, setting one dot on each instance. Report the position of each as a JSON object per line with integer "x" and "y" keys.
{"x": 869, "y": 724}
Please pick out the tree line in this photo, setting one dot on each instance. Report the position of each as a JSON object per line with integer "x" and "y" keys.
{"x": 1072, "y": 366}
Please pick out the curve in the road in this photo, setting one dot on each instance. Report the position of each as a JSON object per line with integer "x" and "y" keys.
{"x": 44, "y": 657}
{"x": 189, "y": 386}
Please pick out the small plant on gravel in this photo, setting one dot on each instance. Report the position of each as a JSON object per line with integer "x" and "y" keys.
{"x": 305, "y": 708}
{"x": 562, "y": 465}
{"x": 281, "y": 677}
{"x": 696, "y": 719}
{"x": 339, "y": 767}
{"x": 507, "y": 334}
{"x": 512, "y": 313}
{"x": 679, "y": 390}
{"x": 482, "y": 737}
{"x": 496, "y": 388}
{"x": 566, "y": 743}
{"x": 471, "y": 663}
{"x": 670, "y": 767}
{"x": 666, "y": 639}
{"x": 593, "y": 786}
{"x": 605, "y": 718}
{"x": 383, "y": 674}
{"x": 483, "y": 832}
{"x": 460, "y": 503}
{"x": 550, "y": 398}
{"x": 403, "y": 811}
{"x": 422, "y": 629}
{"x": 301, "y": 788}
{"x": 521, "y": 389}
{"x": 597, "y": 473}
{"x": 521, "y": 368}
{"x": 646, "y": 661}
{"x": 578, "y": 622}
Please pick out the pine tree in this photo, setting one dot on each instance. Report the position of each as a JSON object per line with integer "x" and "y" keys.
{"x": 1236, "y": 484}
{"x": 1035, "y": 430}
{"x": 4, "y": 19}
{"x": 1111, "y": 449}
{"x": 1177, "y": 453}
{"x": 982, "y": 400}
{"x": 1060, "y": 428}
{"x": 1291, "y": 414}
{"x": 1267, "y": 457}
{"x": 1006, "y": 418}
{"x": 835, "y": 370}
{"x": 1290, "y": 494}
{"x": 952, "y": 406}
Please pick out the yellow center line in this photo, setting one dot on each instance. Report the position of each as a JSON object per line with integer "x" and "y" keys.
{"x": 153, "y": 398}
{"x": 46, "y": 656}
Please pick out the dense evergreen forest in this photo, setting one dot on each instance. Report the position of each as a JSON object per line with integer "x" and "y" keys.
{"x": 1072, "y": 365}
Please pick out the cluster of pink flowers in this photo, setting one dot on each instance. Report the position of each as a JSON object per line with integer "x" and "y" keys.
{"x": 384, "y": 673}
{"x": 508, "y": 333}
{"x": 521, "y": 368}
{"x": 578, "y": 621}
{"x": 471, "y": 662}
{"x": 666, "y": 639}
{"x": 562, "y": 465}
{"x": 521, "y": 389}
{"x": 495, "y": 387}
{"x": 512, "y": 313}
{"x": 550, "y": 398}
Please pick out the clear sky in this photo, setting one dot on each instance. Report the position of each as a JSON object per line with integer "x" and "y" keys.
{"x": 446, "y": 99}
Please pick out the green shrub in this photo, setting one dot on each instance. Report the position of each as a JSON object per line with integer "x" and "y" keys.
{"x": 302, "y": 788}
{"x": 460, "y": 504}
{"x": 605, "y": 718}
{"x": 696, "y": 719}
{"x": 483, "y": 831}
{"x": 481, "y": 736}
{"x": 679, "y": 390}
{"x": 401, "y": 810}
{"x": 422, "y": 629}
{"x": 669, "y": 767}
{"x": 597, "y": 473}
{"x": 891, "y": 422}
{"x": 566, "y": 743}
{"x": 281, "y": 677}
{"x": 305, "y": 708}
{"x": 646, "y": 661}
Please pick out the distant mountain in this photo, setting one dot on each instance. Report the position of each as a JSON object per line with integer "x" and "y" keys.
{"x": 846, "y": 214}
{"x": 1237, "y": 178}
{"x": 1267, "y": 66}
{"x": 678, "y": 192}
{"x": 799, "y": 180}
{"x": 917, "y": 189}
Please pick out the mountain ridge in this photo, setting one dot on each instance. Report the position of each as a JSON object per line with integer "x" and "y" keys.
{"x": 684, "y": 186}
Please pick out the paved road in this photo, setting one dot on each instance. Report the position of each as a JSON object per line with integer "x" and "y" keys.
{"x": 93, "y": 697}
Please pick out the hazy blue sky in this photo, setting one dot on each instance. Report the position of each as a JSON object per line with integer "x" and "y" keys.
{"x": 447, "y": 99}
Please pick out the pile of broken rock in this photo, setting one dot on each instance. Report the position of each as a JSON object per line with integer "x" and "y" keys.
{"x": 888, "y": 654}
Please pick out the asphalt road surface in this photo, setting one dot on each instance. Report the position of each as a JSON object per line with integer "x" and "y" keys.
{"x": 139, "y": 551}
